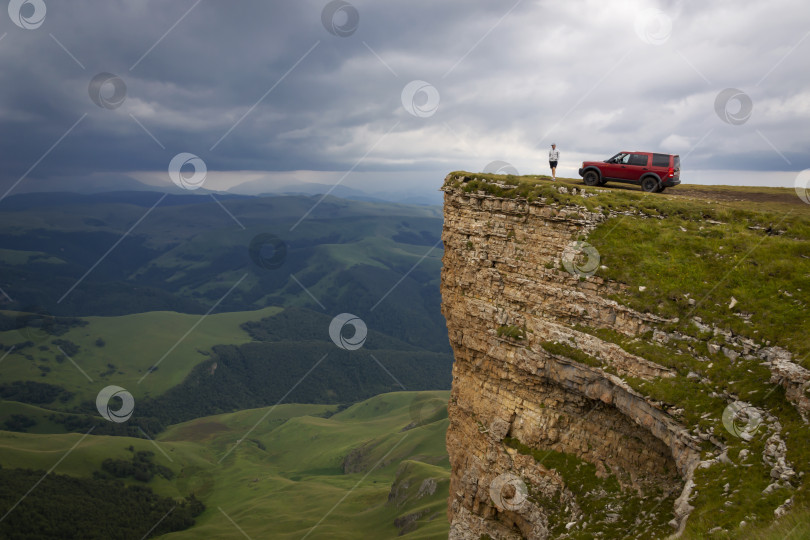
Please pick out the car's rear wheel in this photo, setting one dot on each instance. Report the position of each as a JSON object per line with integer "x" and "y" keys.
{"x": 650, "y": 184}
{"x": 591, "y": 178}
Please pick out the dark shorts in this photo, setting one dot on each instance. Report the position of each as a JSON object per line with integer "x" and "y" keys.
{"x": 552, "y": 164}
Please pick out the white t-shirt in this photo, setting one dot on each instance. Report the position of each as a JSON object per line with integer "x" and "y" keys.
{"x": 554, "y": 155}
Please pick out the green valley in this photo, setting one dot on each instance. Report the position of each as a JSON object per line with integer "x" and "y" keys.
{"x": 217, "y": 320}
{"x": 376, "y": 469}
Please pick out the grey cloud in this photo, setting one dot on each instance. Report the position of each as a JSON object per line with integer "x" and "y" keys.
{"x": 576, "y": 72}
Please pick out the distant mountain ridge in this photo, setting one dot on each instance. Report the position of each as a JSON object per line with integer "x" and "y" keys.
{"x": 147, "y": 198}
{"x": 259, "y": 188}
{"x": 99, "y": 184}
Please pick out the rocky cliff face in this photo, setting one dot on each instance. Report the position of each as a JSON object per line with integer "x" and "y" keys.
{"x": 542, "y": 444}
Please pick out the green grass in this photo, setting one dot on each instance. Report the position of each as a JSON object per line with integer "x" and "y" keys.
{"x": 597, "y": 498}
{"x": 21, "y": 257}
{"x": 563, "y": 349}
{"x": 510, "y": 331}
{"x": 300, "y": 477}
{"x": 702, "y": 406}
{"x": 709, "y": 264}
{"x": 43, "y": 424}
{"x": 133, "y": 343}
{"x": 704, "y": 202}
{"x": 368, "y": 250}
{"x": 793, "y": 526}
{"x": 287, "y": 473}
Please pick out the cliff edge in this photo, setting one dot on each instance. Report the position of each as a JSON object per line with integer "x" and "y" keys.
{"x": 576, "y": 413}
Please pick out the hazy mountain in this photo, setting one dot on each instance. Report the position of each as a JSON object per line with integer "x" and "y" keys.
{"x": 269, "y": 187}
{"x": 98, "y": 183}
{"x": 343, "y": 192}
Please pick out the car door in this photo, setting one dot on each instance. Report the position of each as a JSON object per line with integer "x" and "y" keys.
{"x": 614, "y": 167}
{"x": 636, "y": 166}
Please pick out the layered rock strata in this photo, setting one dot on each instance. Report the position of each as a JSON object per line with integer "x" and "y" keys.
{"x": 504, "y": 297}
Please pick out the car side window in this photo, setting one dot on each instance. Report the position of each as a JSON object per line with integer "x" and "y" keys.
{"x": 621, "y": 158}
{"x": 638, "y": 159}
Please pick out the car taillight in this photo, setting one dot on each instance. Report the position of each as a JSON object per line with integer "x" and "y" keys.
{"x": 671, "y": 172}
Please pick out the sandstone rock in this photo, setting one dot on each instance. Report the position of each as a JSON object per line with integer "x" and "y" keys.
{"x": 510, "y": 386}
{"x": 427, "y": 488}
{"x": 498, "y": 429}
{"x": 771, "y": 488}
{"x": 731, "y": 354}
{"x": 783, "y": 509}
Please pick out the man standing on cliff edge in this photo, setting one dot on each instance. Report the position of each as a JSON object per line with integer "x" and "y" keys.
{"x": 553, "y": 157}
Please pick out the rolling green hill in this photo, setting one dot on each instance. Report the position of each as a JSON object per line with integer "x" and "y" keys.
{"x": 129, "y": 345}
{"x": 179, "y": 367}
{"x": 376, "y": 469}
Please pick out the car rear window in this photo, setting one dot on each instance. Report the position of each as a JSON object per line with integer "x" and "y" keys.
{"x": 677, "y": 162}
{"x": 661, "y": 160}
{"x": 638, "y": 159}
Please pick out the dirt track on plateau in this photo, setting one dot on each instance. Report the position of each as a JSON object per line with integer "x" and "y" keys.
{"x": 721, "y": 195}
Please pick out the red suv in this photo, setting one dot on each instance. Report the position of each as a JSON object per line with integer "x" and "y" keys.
{"x": 654, "y": 172}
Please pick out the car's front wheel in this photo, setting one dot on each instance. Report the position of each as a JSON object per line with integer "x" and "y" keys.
{"x": 591, "y": 178}
{"x": 650, "y": 184}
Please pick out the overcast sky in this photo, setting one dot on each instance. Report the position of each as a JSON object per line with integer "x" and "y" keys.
{"x": 260, "y": 89}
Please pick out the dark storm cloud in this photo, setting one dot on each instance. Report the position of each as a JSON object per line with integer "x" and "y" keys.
{"x": 511, "y": 76}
